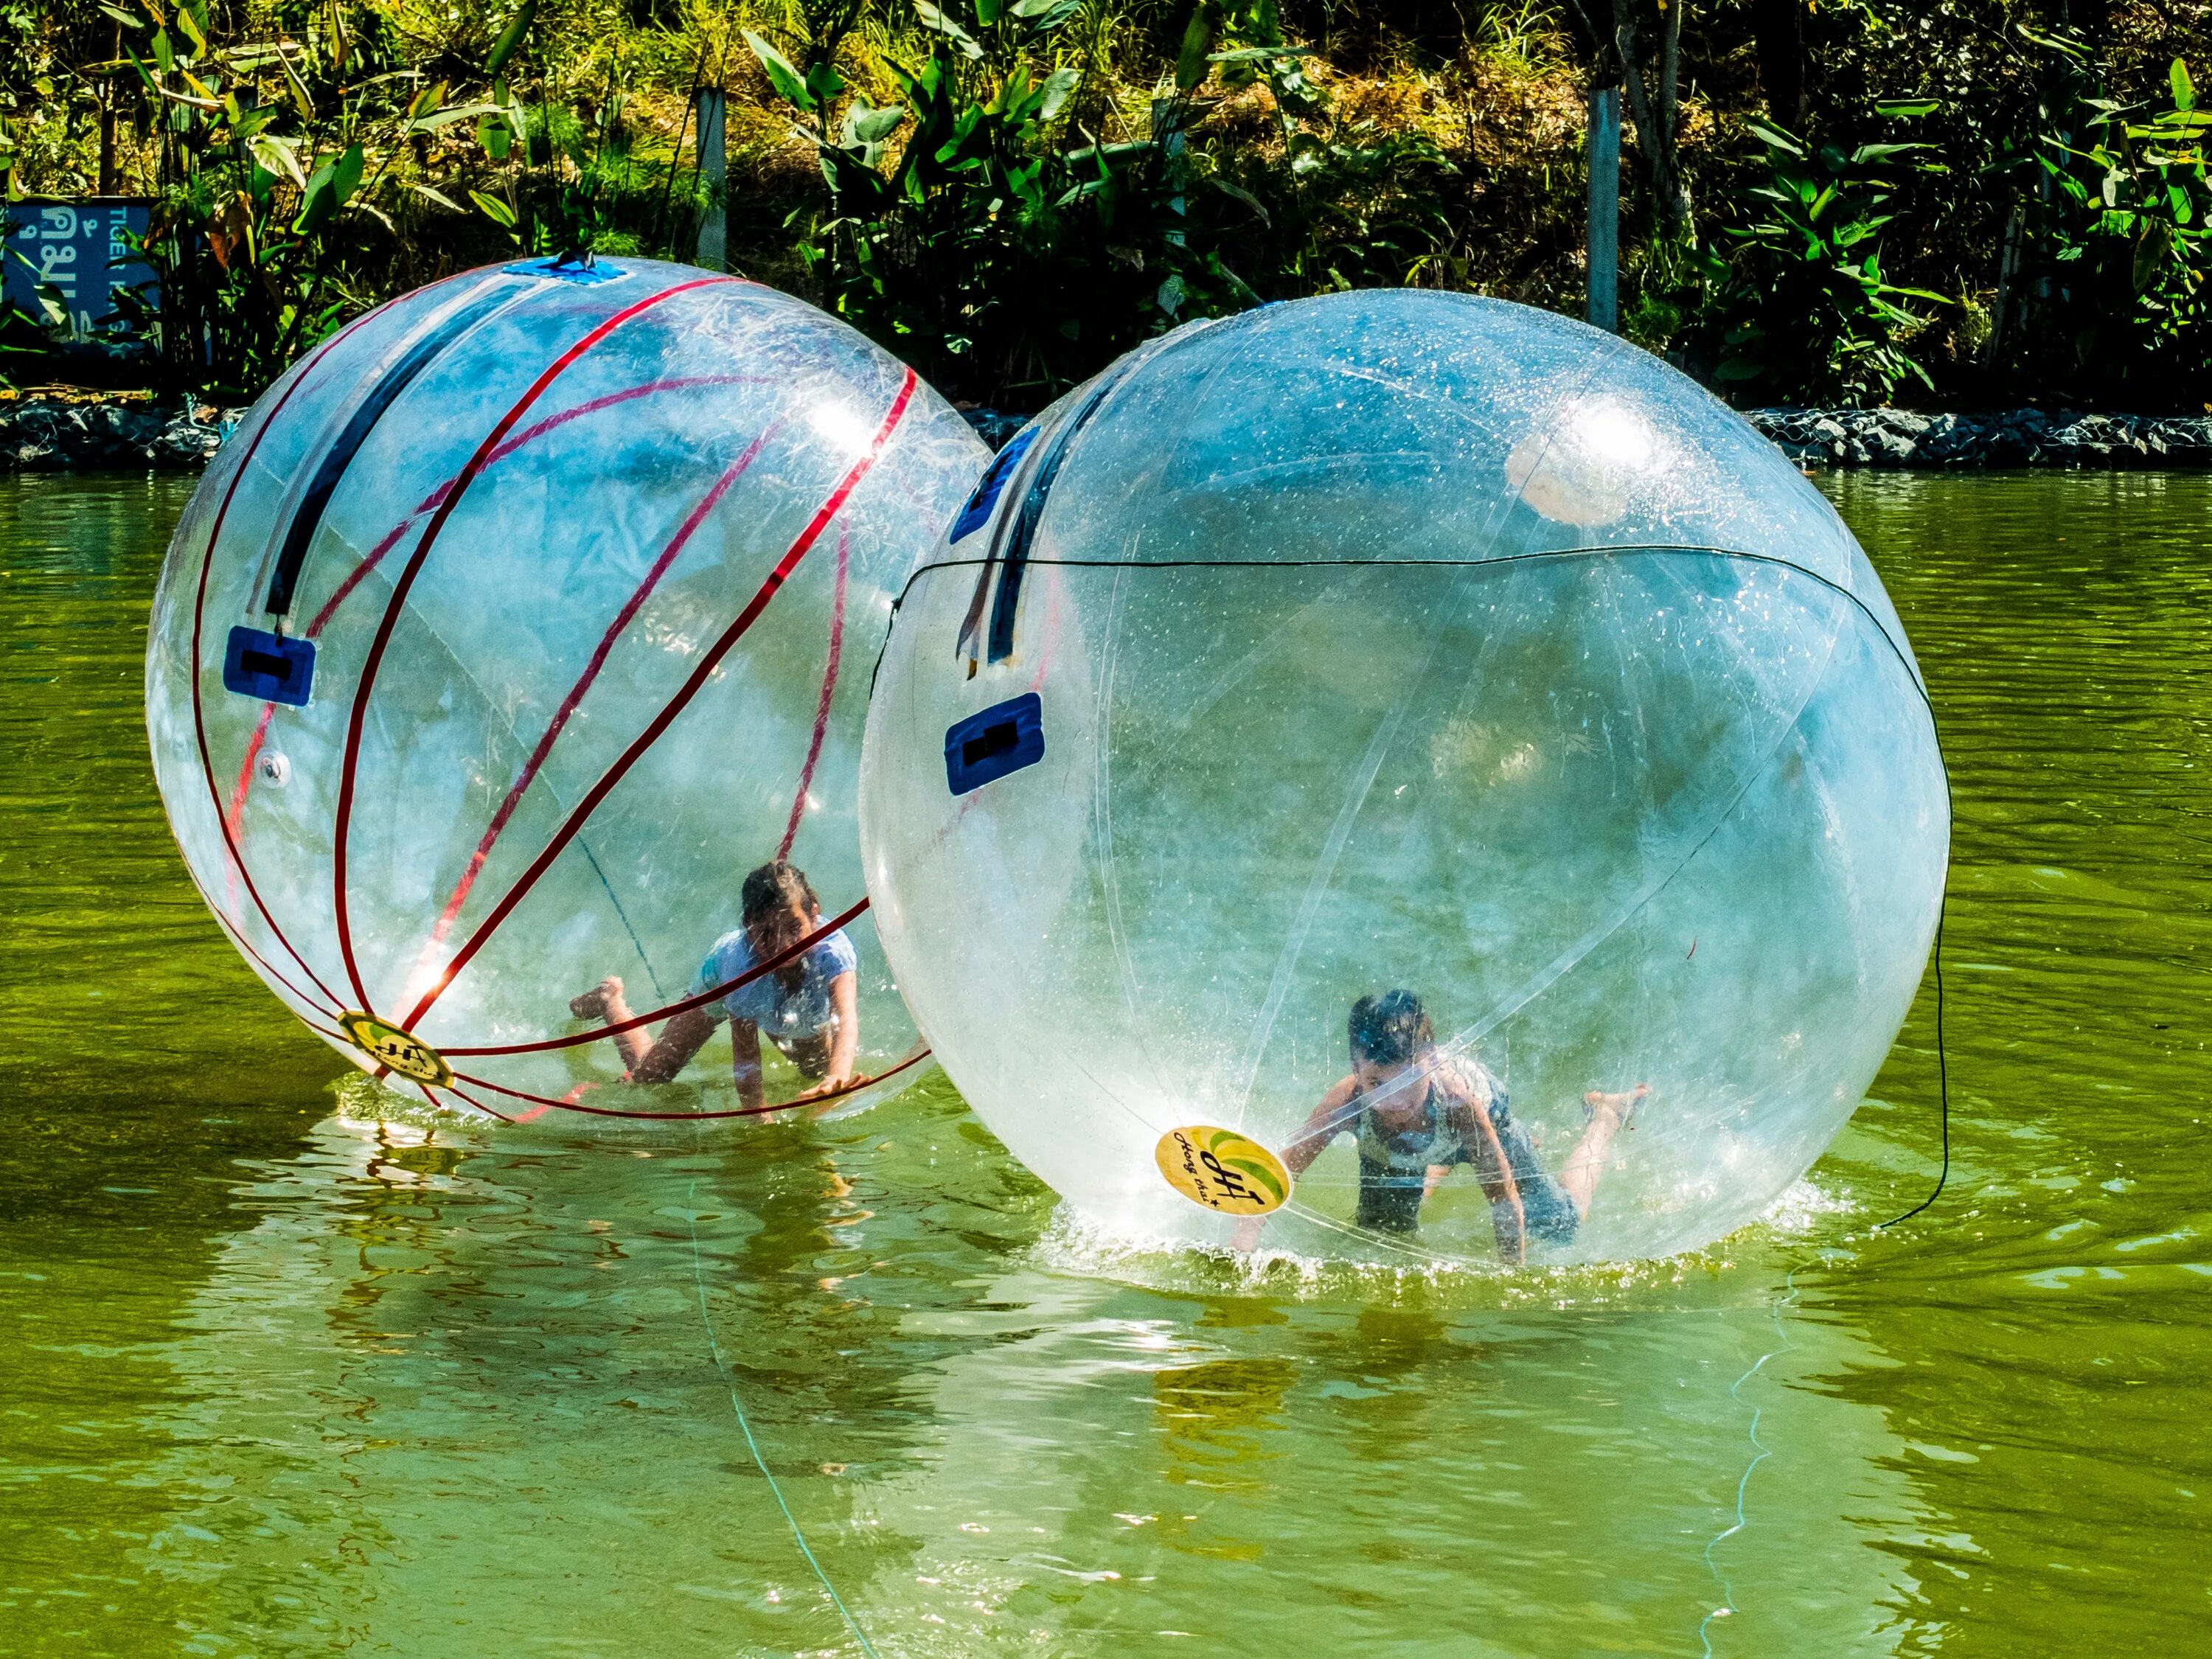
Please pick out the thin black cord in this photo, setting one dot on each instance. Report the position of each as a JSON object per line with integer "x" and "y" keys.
{"x": 1943, "y": 1087}
{"x": 1942, "y": 1062}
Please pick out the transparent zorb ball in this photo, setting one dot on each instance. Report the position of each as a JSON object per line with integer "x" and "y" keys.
{"x": 513, "y": 628}
{"x": 1403, "y": 642}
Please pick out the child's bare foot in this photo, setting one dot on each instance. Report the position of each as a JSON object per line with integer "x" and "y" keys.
{"x": 593, "y": 1004}
{"x": 1622, "y": 1106}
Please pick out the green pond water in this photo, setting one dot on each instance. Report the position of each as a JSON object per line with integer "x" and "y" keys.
{"x": 274, "y": 1379}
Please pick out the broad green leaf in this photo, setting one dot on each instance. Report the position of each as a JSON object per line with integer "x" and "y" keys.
{"x": 2185, "y": 89}
{"x": 1775, "y": 138}
{"x": 1896, "y": 107}
{"x": 437, "y": 196}
{"x": 867, "y": 125}
{"x": 190, "y": 26}
{"x": 1866, "y": 153}
{"x": 279, "y": 157}
{"x": 303, "y": 103}
{"x": 1058, "y": 87}
{"x": 318, "y": 201}
{"x": 789, "y": 85}
{"x": 1191, "y": 63}
{"x": 124, "y": 17}
{"x": 165, "y": 51}
{"x": 823, "y": 82}
{"x": 427, "y": 103}
{"x": 937, "y": 23}
{"x": 987, "y": 12}
{"x": 345, "y": 176}
{"x": 495, "y": 136}
{"x": 445, "y": 118}
{"x": 1238, "y": 193}
{"x": 511, "y": 37}
{"x": 2151, "y": 246}
{"x": 494, "y": 209}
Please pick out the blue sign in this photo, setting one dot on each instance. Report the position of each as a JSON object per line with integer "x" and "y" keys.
{"x": 75, "y": 248}
{"x": 269, "y": 668}
{"x": 985, "y": 747}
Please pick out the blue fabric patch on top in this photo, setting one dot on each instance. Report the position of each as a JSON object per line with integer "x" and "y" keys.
{"x": 977, "y": 514}
{"x": 1003, "y": 738}
{"x": 567, "y": 270}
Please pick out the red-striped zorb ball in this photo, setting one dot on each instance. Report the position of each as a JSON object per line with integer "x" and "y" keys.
{"x": 1425, "y": 649}
{"x": 515, "y": 626}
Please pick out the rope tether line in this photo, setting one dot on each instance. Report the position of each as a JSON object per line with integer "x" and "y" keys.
{"x": 1942, "y": 1069}
{"x": 721, "y": 1366}
{"x": 1761, "y": 1452}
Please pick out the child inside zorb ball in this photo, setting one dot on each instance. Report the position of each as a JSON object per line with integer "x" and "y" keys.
{"x": 804, "y": 1004}
{"x": 1417, "y": 1114}
{"x": 1400, "y": 639}
{"x": 503, "y": 617}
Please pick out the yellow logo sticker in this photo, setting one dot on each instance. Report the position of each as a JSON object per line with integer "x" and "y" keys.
{"x": 1223, "y": 1170}
{"x": 395, "y": 1050}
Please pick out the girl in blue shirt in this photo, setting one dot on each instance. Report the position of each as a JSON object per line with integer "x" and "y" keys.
{"x": 808, "y": 1007}
{"x": 1416, "y": 1113}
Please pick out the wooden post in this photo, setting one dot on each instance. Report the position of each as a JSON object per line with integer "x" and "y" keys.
{"x": 1604, "y": 152}
{"x": 713, "y": 251}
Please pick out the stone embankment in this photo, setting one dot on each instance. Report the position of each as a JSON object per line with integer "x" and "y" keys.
{"x": 54, "y": 434}
{"x": 2023, "y": 437}
{"x": 41, "y": 433}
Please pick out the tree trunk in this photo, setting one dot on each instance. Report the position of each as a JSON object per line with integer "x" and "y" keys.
{"x": 107, "y": 124}
{"x": 1779, "y": 28}
{"x": 1655, "y": 108}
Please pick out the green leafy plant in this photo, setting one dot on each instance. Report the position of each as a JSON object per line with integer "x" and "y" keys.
{"x": 964, "y": 232}
{"x": 2121, "y": 244}
{"x": 1795, "y": 306}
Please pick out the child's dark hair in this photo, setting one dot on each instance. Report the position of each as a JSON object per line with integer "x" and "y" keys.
{"x": 1390, "y": 1029}
{"x": 774, "y": 887}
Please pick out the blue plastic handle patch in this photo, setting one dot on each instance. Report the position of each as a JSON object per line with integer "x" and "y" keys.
{"x": 567, "y": 269}
{"x": 267, "y": 667}
{"x": 977, "y": 514}
{"x": 985, "y": 747}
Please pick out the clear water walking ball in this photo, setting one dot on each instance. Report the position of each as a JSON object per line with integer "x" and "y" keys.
{"x": 516, "y": 625}
{"x": 1431, "y": 662}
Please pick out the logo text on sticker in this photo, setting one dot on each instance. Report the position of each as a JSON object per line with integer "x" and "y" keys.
{"x": 395, "y": 1050}
{"x": 1223, "y": 1170}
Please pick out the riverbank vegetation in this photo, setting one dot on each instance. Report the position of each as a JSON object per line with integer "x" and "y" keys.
{"x": 1946, "y": 202}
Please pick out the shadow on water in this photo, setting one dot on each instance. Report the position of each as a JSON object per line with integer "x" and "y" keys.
{"x": 283, "y": 1378}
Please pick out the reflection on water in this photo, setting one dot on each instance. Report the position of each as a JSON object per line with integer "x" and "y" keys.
{"x": 279, "y": 1377}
